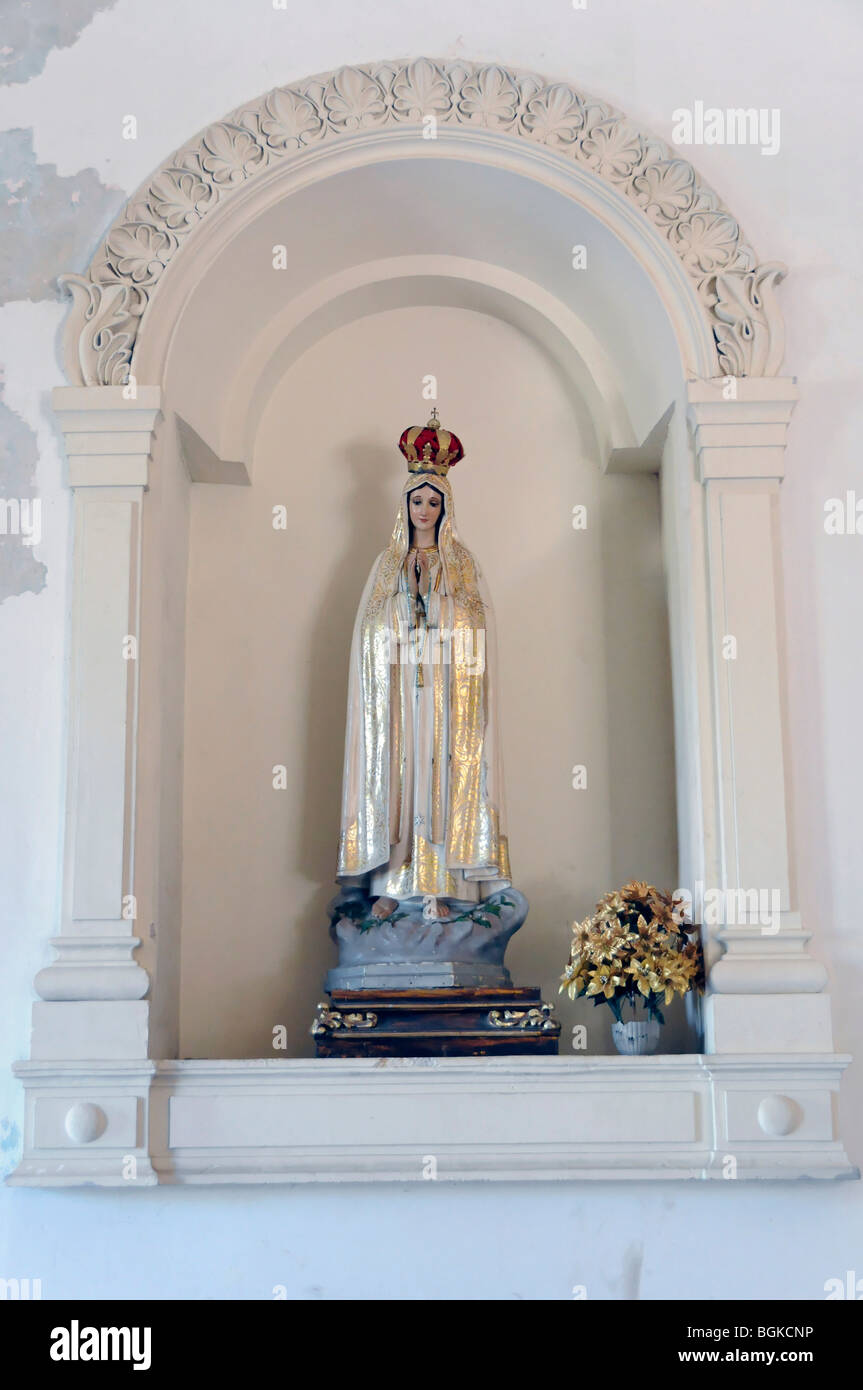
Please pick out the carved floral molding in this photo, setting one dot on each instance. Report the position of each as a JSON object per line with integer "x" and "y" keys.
{"x": 737, "y": 294}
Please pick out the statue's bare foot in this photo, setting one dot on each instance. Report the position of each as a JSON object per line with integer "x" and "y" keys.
{"x": 384, "y": 907}
{"x": 436, "y": 910}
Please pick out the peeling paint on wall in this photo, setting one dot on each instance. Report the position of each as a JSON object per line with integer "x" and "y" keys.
{"x": 20, "y": 509}
{"x": 29, "y": 33}
{"x": 10, "y": 1145}
{"x": 48, "y": 223}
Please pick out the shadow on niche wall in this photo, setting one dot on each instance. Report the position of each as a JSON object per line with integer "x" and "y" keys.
{"x": 621, "y": 823}
{"x": 371, "y": 505}
{"x": 641, "y": 764}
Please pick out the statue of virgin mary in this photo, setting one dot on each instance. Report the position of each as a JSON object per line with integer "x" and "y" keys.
{"x": 422, "y": 814}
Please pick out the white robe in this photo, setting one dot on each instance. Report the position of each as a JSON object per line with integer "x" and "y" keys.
{"x": 422, "y": 812}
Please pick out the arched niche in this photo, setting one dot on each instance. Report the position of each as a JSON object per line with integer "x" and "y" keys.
{"x": 546, "y": 421}
{"x": 670, "y": 344}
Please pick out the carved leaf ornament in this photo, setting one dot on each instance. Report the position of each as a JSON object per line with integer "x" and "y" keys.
{"x": 736, "y": 293}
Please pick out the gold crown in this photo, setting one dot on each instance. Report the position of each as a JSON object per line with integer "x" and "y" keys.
{"x": 429, "y": 448}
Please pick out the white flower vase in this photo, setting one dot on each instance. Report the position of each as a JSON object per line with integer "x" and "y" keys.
{"x": 638, "y": 1037}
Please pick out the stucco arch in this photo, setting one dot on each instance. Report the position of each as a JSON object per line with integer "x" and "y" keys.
{"x": 719, "y": 297}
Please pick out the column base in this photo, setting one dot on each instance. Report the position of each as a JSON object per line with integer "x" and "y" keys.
{"x": 73, "y": 1031}
{"x": 767, "y": 1023}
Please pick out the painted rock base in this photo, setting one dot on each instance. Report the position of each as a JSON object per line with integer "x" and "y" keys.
{"x": 411, "y": 951}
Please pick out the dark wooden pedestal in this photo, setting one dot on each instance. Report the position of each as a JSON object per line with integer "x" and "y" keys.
{"x": 504, "y": 1022}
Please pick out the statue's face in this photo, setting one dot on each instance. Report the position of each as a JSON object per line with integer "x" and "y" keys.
{"x": 424, "y": 506}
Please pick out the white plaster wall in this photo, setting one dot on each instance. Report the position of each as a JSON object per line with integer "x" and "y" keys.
{"x": 801, "y": 206}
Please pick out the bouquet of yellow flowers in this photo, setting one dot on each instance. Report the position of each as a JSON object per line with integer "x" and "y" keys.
{"x": 636, "y": 944}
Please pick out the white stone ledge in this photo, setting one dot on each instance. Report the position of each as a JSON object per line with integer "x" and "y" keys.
{"x": 694, "y": 1117}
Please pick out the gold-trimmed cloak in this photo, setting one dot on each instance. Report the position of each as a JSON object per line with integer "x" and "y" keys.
{"x": 422, "y": 795}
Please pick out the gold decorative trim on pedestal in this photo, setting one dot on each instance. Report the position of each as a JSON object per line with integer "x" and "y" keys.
{"x": 327, "y": 1020}
{"x": 523, "y": 1018}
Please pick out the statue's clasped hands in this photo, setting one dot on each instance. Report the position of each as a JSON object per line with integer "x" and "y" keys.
{"x": 418, "y": 571}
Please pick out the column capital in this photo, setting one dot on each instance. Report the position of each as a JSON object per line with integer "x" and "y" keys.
{"x": 108, "y": 431}
{"x": 739, "y": 425}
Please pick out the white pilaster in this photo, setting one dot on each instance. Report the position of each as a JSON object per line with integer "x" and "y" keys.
{"x": 765, "y": 990}
{"x": 93, "y": 992}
